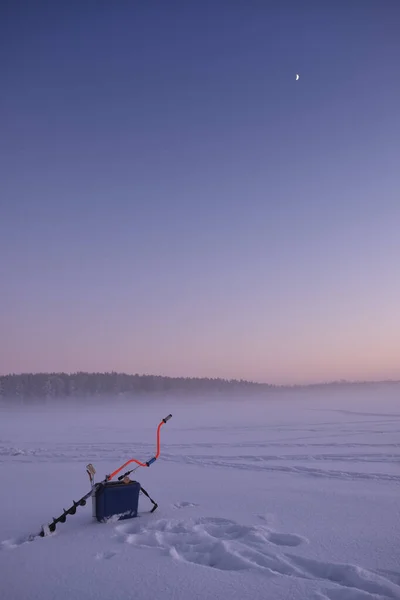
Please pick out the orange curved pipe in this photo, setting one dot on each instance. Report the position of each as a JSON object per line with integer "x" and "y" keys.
{"x": 133, "y": 460}
{"x": 158, "y": 439}
{"x": 109, "y": 477}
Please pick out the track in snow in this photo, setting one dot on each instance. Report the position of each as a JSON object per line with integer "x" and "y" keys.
{"x": 226, "y": 545}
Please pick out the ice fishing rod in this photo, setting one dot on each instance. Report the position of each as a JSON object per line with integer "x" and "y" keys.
{"x": 51, "y": 527}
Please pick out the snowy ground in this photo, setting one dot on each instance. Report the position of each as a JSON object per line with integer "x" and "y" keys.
{"x": 288, "y": 497}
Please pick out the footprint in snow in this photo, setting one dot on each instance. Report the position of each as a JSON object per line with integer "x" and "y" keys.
{"x": 214, "y": 542}
{"x": 16, "y": 542}
{"x": 184, "y": 505}
{"x": 223, "y": 544}
{"x": 286, "y": 539}
{"x": 105, "y": 555}
{"x": 360, "y": 583}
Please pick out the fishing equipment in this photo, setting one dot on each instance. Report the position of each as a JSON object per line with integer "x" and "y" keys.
{"x": 118, "y": 499}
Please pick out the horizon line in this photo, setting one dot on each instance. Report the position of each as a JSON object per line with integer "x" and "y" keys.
{"x": 203, "y": 378}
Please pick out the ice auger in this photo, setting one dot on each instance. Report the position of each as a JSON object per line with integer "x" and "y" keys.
{"x": 51, "y": 527}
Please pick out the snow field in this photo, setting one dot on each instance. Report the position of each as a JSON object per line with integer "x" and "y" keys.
{"x": 290, "y": 497}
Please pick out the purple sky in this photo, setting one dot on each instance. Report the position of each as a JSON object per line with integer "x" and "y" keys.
{"x": 172, "y": 201}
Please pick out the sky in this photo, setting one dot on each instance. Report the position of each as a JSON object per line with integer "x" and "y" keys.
{"x": 173, "y": 201}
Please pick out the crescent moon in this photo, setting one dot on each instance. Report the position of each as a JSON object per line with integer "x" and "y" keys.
{"x": 297, "y": 76}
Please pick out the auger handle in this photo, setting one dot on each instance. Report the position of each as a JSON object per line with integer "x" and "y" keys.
{"x": 138, "y": 462}
{"x": 149, "y": 462}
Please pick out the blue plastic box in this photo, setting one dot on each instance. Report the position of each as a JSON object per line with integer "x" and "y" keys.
{"x": 116, "y": 499}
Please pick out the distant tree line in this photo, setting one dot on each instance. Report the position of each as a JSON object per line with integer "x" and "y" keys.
{"x": 57, "y": 385}
{"x": 60, "y": 385}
